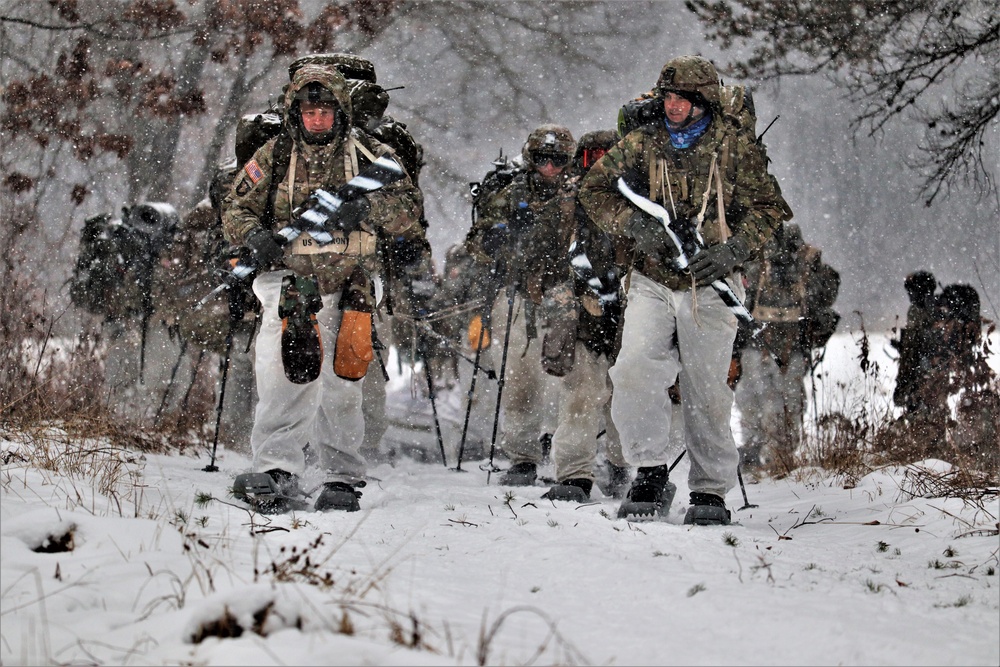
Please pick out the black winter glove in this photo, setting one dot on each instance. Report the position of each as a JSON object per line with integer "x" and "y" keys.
{"x": 352, "y": 213}
{"x": 718, "y": 261}
{"x": 494, "y": 239}
{"x": 650, "y": 237}
{"x": 265, "y": 246}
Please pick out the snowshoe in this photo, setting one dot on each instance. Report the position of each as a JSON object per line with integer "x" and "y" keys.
{"x": 574, "y": 490}
{"x": 650, "y": 495}
{"x": 271, "y": 492}
{"x": 338, "y": 496}
{"x": 519, "y": 474}
{"x": 707, "y": 509}
{"x": 301, "y": 347}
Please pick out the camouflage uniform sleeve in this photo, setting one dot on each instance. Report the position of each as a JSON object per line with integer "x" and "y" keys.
{"x": 243, "y": 207}
{"x": 758, "y": 208}
{"x": 599, "y": 194}
{"x": 398, "y": 205}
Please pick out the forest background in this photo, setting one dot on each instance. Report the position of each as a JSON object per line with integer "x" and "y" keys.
{"x": 110, "y": 103}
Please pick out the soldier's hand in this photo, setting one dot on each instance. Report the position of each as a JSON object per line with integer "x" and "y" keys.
{"x": 718, "y": 261}
{"x": 352, "y": 213}
{"x": 650, "y": 237}
{"x": 265, "y": 246}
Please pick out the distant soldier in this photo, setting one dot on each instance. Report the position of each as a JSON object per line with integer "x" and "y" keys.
{"x": 792, "y": 291}
{"x": 916, "y": 342}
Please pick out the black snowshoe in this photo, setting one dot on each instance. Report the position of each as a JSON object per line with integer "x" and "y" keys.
{"x": 339, "y": 496}
{"x": 650, "y": 495}
{"x": 707, "y": 509}
{"x": 273, "y": 492}
{"x": 574, "y": 490}
{"x": 519, "y": 474}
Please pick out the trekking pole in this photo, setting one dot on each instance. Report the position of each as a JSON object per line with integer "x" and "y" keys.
{"x": 468, "y": 403}
{"x": 491, "y": 468}
{"x": 211, "y": 467}
{"x": 431, "y": 395}
{"x": 746, "y": 502}
{"x": 170, "y": 383}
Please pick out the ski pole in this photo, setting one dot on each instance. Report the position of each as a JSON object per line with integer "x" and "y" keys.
{"x": 468, "y": 403}
{"x": 432, "y": 396}
{"x": 211, "y": 467}
{"x": 170, "y": 383}
{"x": 746, "y": 502}
{"x": 491, "y": 468}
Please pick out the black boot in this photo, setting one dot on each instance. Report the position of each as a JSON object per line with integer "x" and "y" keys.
{"x": 707, "y": 509}
{"x": 576, "y": 490}
{"x": 519, "y": 474}
{"x": 650, "y": 495}
{"x": 338, "y": 496}
{"x": 273, "y": 492}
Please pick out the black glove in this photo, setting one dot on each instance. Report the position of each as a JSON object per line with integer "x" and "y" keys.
{"x": 265, "y": 246}
{"x": 523, "y": 217}
{"x": 352, "y": 213}
{"x": 495, "y": 238}
{"x": 650, "y": 237}
{"x": 718, "y": 261}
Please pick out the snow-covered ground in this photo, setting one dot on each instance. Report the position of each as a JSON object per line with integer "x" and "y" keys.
{"x": 441, "y": 568}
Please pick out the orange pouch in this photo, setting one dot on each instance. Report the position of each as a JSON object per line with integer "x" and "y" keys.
{"x": 354, "y": 345}
{"x": 476, "y": 330}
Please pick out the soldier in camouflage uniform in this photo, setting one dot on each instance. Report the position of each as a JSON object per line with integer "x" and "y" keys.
{"x": 787, "y": 287}
{"x": 529, "y": 226}
{"x": 706, "y": 171}
{"x": 326, "y": 151}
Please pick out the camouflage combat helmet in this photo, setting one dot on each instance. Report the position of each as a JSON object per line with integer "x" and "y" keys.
{"x": 691, "y": 75}
{"x": 598, "y": 141}
{"x": 349, "y": 65}
{"x": 548, "y": 138}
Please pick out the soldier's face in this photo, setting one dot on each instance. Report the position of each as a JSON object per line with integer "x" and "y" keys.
{"x": 317, "y": 118}
{"x": 548, "y": 171}
{"x": 679, "y": 110}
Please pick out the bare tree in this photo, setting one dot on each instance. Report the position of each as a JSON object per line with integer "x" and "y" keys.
{"x": 934, "y": 62}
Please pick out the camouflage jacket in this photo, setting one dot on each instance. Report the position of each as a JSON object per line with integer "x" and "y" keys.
{"x": 679, "y": 179}
{"x": 394, "y": 208}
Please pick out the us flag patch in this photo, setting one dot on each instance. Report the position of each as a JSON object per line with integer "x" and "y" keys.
{"x": 253, "y": 171}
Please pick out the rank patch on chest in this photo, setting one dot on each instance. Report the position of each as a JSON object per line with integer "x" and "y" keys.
{"x": 253, "y": 171}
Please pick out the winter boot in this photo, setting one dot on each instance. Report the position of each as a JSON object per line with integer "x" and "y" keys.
{"x": 339, "y": 496}
{"x": 545, "y": 439}
{"x": 650, "y": 495}
{"x": 707, "y": 509}
{"x": 576, "y": 490}
{"x": 618, "y": 480}
{"x": 273, "y": 492}
{"x": 519, "y": 474}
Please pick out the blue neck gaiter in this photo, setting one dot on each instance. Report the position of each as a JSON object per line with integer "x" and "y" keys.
{"x": 684, "y": 137}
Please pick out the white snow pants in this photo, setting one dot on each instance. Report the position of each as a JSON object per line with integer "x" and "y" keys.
{"x": 324, "y": 414}
{"x": 649, "y": 362}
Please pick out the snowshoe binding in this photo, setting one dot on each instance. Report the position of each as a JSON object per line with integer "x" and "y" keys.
{"x": 339, "y": 496}
{"x": 273, "y": 492}
{"x": 573, "y": 490}
{"x": 650, "y": 495}
{"x": 707, "y": 509}
{"x": 519, "y": 474}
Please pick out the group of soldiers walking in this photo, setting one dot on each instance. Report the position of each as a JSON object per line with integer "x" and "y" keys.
{"x": 600, "y": 283}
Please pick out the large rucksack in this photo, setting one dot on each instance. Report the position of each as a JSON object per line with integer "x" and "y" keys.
{"x": 113, "y": 274}
{"x": 503, "y": 172}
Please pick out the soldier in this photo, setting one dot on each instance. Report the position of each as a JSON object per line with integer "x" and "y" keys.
{"x": 188, "y": 270}
{"x": 789, "y": 289}
{"x": 916, "y": 342}
{"x": 709, "y": 173}
{"x": 298, "y": 411}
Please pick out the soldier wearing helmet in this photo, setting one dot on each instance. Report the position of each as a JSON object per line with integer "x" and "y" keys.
{"x": 710, "y": 176}
{"x": 318, "y": 148}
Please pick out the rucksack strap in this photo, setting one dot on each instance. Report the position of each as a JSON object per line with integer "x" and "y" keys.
{"x": 280, "y": 157}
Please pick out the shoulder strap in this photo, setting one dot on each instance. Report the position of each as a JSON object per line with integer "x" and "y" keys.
{"x": 280, "y": 157}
